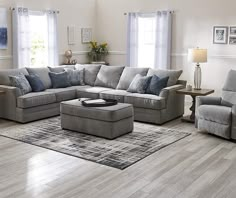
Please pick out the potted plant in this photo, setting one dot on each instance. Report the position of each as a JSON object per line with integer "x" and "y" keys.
{"x": 97, "y": 51}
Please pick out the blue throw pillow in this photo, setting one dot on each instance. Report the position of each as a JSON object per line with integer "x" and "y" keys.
{"x": 139, "y": 84}
{"x": 59, "y": 80}
{"x": 35, "y": 83}
{"x": 156, "y": 85}
{"x": 20, "y": 82}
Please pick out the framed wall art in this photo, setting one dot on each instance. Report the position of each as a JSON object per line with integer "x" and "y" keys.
{"x": 220, "y": 34}
{"x": 86, "y": 35}
{"x": 3, "y": 28}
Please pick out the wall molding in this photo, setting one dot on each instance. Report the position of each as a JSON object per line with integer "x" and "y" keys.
{"x": 123, "y": 53}
{"x": 7, "y": 57}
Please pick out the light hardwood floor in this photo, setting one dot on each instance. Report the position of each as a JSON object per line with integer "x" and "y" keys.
{"x": 200, "y": 165}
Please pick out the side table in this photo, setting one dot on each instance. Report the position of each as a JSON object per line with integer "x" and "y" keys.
{"x": 193, "y": 93}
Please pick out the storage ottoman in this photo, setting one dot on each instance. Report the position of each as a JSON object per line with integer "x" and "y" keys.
{"x": 108, "y": 122}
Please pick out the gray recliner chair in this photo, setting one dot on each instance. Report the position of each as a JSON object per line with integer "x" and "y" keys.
{"x": 217, "y": 115}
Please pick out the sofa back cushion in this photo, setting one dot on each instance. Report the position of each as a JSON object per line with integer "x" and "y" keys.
{"x": 128, "y": 75}
{"x": 43, "y": 74}
{"x": 5, "y": 73}
{"x": 109, "y": 76}
{"x": 173, "y": 75}
{"x": 229, "y": 89}
{"x": 90, "y": 73}
{"x": 59, "y": 69}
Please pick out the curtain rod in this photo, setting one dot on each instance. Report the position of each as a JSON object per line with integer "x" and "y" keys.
{"x": 57, "y": 11}
{"x": 171, "y": 11}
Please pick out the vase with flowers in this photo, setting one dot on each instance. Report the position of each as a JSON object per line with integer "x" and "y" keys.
{"x": 97, "y": 51}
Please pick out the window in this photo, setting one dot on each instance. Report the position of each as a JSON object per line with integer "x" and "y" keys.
{"x": 38, "y": 39}
{"x": 146, "y": 41}
{"x": 149, "y": 39}
{"x": 34, "y": 38}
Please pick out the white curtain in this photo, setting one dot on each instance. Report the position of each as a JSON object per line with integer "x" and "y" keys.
{"x": 52, "y": 38}
{"x": 163, "y": 34}
{"x": 21, "y": 37}
{"x": 163, "y": 40}
{"x": 132, "y": 40}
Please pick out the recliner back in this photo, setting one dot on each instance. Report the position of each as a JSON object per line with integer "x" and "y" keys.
{"x": 229, "y": 89}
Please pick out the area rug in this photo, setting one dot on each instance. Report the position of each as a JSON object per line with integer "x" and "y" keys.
{"x": 119, "y": 153}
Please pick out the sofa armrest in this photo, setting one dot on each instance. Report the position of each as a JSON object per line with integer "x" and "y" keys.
{"x": 172, "y": 89}
{"x": 8, "y": 102}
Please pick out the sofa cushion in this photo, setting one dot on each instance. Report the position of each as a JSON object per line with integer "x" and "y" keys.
{"x": 76, "y": 77}
{"x": 128, "y": 75}
{"x": 20, "y": 82}
{"x": 34, "y": 99}
{"x": 59, "y": 69}
{"x": 108, "y": 114}
{"x": 139, "y": 84}
{"x": 114, "y": 94}
{"x": 5, "y": 73}
{"x": 35, "y": 83}
{"x": 59, "y": 80}
{"x": 215, "y": 113}
{"x": 43, "y": 73}
{"x": 156, "y": 85}
{"x": 90, "y": 73}
{"x": 109, "y": 76}
{"x": 63, "y": 94}
{"x": 145, "y": 101}
{"x": 173, "y": 75}
{"x": 90, "y": 92}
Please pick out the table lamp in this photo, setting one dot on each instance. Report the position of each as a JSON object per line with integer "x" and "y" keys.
{"x": 197, "y": 56}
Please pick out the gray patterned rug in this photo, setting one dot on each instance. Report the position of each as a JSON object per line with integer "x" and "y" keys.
{"x": 119, "y": 153}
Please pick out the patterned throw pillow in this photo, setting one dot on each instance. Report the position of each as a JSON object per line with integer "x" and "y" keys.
{"x": 76, "y": 77}
{"x": 35, "y": 83}
{"x": 156, "y": 85}
{"x": 139, "y": 84}
{"x": 20, "y": 82}
{"x": 59, "y": 80}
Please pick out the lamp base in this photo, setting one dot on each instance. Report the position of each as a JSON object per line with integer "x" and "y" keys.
{"x": 197, "y": 77}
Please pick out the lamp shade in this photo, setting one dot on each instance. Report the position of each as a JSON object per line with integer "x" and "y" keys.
{"x": 197, "y": 55}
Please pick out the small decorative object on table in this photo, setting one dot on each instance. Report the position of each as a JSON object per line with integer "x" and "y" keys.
{"x": 193, "y": 93}
{"x": 97, "y": 52}
{"x": 197, "y": 56}
{"x": 68, "y": 55}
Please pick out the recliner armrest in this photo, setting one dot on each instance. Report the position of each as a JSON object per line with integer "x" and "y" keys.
{"x": 207, "y": 100}
{"x": 233, "y": 128}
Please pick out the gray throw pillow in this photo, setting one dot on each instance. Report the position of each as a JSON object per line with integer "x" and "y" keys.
{"x": 20, "y": 82}
{"x": 90, "y": 73}
{"x": 139, "y": 84}
{"x": 76, "y": 77}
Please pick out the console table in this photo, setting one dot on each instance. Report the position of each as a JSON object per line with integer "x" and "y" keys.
{"x": 193, "y": 93}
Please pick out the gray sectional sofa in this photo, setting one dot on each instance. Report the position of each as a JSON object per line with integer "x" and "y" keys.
{"x": 100, "y": 82}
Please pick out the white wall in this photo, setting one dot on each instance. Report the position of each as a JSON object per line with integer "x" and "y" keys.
{"x": 80, "y": 13}
{"x": 192, "y": 27}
